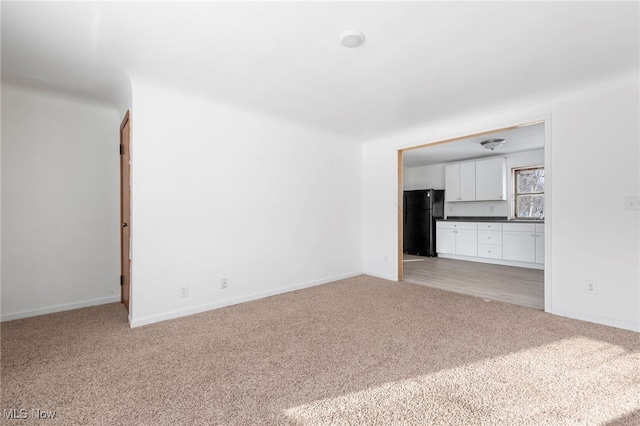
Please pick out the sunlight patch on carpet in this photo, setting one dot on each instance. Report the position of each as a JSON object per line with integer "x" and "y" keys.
{"x": 570, "y": 382}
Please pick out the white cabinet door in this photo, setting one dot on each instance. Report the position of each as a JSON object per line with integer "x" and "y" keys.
{"x": 467, "y": 181}
{"x": 445, "y": 241}
{"x": 457, "y": 238}
{"x": 519, "y": 246}
{"x": 491, "y": 179}
{"x": 539, "y": 243}
{"x": 452, "y": 182}
{"x": 460, "y": 182}
{"x": 467, "y": 242}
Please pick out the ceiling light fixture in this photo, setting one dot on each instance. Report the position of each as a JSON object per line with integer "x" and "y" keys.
{"x": 492, "y": 143}
{"x": 351, "y": 38}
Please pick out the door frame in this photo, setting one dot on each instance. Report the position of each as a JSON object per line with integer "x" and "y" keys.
{"x": 125, "y": 212}
{"x": 547, "y": 134}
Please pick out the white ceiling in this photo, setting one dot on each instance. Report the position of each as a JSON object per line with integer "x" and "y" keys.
{"x": 525, "y": 138}
{"x": 421, "y": 61}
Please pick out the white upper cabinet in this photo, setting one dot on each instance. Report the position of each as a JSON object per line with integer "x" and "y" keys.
{"x": 460, "y": 181}
{"x": 482, "y": 180}
{"x": 468, "y": 180}
{"x": 491, "y": 179}
{"x": 452, "y": 182}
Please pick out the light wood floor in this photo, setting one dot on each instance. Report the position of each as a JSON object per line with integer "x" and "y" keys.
{"x": 520, "y": 286}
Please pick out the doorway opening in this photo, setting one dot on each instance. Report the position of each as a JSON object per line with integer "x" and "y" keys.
{"x": 422, "y": 167}
{"x": 125, "y": 211}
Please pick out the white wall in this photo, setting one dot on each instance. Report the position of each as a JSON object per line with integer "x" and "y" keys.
{"x": 223, "y": 192}
{"x": 592, "y": 162}
{"x": 60, "y": 198}
{"x": 423, "y": 177}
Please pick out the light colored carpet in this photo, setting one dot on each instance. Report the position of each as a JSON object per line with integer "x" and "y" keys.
{"x": 362, "y": 351}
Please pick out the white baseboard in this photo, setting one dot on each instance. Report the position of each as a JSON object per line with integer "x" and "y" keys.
{"x": 60, "y": 308}
{"x": 137, "y": 322}
{"x": 626, "y": 325}
{"x": 493, "y": 261}
{"x": 384, "y": 277}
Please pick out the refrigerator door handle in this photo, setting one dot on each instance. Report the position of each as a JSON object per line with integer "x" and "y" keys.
{"x": 404, "y": 209}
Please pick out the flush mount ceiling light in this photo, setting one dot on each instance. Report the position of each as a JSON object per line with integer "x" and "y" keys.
{"x": 351, "y": 38}
{"x": 492, "y": 143}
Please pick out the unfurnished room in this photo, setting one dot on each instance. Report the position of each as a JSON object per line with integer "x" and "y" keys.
{"x": 320, "y": 213}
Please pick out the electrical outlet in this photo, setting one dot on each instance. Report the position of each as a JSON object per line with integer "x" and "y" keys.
{"x": 184, "y": 291}
{"x": 632, "y": 203}
{"x": 591, "y": 287}
{"x": 223, "y": 283}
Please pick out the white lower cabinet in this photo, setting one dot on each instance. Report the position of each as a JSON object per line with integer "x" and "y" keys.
{"x": 459, "y": 238}
{"x": 467, "y": 242}
{"x": 515, "y": 244}
{"x": 539, "y": 243}
{"x": 519, "y": 242}
{"x": 490, "y": 240}
{"x": 445, "y": 241}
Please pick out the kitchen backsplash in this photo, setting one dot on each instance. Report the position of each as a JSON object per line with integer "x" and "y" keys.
{"x": 477, "y": 208}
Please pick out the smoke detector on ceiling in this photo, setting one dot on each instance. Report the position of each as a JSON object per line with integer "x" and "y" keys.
{"x": 352, "y": 38}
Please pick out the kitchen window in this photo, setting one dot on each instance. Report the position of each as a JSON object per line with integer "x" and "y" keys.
{"x": 528, "y": 193}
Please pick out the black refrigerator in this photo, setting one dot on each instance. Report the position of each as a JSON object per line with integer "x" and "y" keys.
{"x": 420, "y": 210}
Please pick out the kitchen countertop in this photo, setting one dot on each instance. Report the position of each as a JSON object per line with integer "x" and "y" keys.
{"x": 500, "y": 219}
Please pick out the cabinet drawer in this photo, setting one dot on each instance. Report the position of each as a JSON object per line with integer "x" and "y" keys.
{"x": 489, "y": 226}
{"x": 444, "y": 225}
{"x": 539, "y": 227}
{"x": 490, "y": 237}
{"x": 519, "y": 227}
{"x": 490, "y": 251}
{"x": 457, "y": 225}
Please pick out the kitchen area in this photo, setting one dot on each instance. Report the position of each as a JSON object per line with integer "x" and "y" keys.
{"x": 473, "y": 216}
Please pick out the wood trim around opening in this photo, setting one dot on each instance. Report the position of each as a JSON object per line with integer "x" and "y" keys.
{"x": 400, "y": 214}
{"x": 125, "y": 211}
